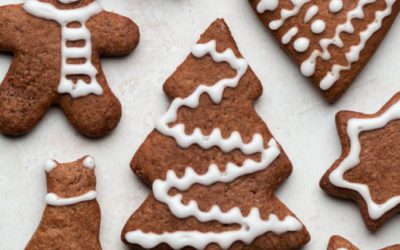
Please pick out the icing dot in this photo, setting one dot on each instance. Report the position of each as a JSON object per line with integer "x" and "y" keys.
{"x": 318, "y": 26}
{"x": 264, "y": 5}
{"x": 301, "y": 44}
{"x": 335, "y": 6}
{"x": 49, "y": 165}
{"x": 88, "y": 162}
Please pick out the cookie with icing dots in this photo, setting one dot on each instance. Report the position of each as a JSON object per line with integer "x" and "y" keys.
{"x": 56, "y": 47}
{"x": 330, "y": 40}
{"x": 338, "y": 243}
{"x": 71, "y": 219}
{"x": 212, "y": 163}
{"x": 367, "y": 170}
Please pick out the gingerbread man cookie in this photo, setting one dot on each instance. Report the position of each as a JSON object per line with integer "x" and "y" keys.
{"x": 57, "y": 45}
{"x": 368, "y": 168}
{"x": 330, "y": 40}
{"x": 71, "y": 219}
{"x": 212, "y": 163}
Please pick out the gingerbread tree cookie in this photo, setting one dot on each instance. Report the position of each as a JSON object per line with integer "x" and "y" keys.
{"x": 211, "y": 161}
{"x": 330, "y": 40}
{"x": 57, "y": 45}
{"x": 368, "y": 168}
{"x": 71, "y": 219}
{"x": 339, "y": 243}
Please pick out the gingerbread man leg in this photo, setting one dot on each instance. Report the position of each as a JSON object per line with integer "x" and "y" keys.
{"x": 92, "y": 115}
{"x": 22, "y": 105}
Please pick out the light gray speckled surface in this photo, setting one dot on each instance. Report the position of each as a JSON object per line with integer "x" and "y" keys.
{"x": 298, "y": 117}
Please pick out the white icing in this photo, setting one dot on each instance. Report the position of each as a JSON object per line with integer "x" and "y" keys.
{"x": 318, "y": 26}
{"x": 252, "y": 225}
{"x": 354, "y": 54}
{"x": 68, "y": 1}
{"x": 342, "y": 248}
{"x": 64, "y": 17}
{"x": 49, "y": 165}
{"x": 301, "y": 44}
{"x": 287, "y": 38}
{"x": 354, "y": 127}
{"x": 54, "y": 200}
{"x": 335, "y": 6}
{"x": 265, "y": 5}
{"x": 89, "y": 162}
{"x": 308, "y": 66}
{"x": 286, "y": 14}
{"x": 311, "y": 12}
{"x": 178, "y": 240}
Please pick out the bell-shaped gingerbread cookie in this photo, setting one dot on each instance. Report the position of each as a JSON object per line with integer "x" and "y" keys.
{"x": 56, "y": 46}
{"x": 71, "y": 219}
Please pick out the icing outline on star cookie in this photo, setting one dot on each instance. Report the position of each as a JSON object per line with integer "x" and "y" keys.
{"x": 354, "y": 127}
{"x": 252, "y": 225}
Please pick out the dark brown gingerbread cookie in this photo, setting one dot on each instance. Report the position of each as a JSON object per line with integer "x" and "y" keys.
{"x": 57, "y": 49}
{"x": 71, "y": 219}
{"x": 330, "y": 40}
{"x": 367, "y": 170}
{"x": 212, "y": 162}
{"x": 339, "y": 243}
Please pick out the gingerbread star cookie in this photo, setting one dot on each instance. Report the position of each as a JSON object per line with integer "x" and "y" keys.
{"x": 71, "y": 219}
{"x": 330, "y": 40}
{"x": 57, "y": 45}
{"x": 212, "y": 163}
{"x": 368, "y": 168}
{"x": 339, "y": 243}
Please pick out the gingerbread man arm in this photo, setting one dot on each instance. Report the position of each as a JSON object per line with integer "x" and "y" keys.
{"x": 113, "y": 35}
{"x": 9, "y": 31}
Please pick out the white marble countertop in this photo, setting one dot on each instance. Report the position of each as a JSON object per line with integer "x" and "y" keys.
{"x": 296, "y": 114}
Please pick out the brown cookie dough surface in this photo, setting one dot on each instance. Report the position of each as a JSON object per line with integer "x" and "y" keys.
{"x": 306, "y": 23}
{"x": 74, "y": 226}
{"x": 378, "y": 166}
{"x": 160, "y": 153}
{"x": 31, "y": 84}
{"x": 338, "y": 243}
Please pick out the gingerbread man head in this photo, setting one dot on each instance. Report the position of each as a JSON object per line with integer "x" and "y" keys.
{"x": 57, "y": 45}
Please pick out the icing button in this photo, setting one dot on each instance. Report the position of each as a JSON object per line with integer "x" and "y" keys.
{"x": 301, "y": 44}
{"x": 318, "y": 26}
{"x": 335, "y": 6}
